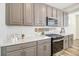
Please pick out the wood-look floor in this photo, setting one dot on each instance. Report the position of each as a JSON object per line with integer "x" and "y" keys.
{"x": 74, "y": 51}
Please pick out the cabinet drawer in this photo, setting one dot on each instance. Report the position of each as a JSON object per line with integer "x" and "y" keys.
{"x": 65, "y": 37}
{"x": 44, "y": 41}
{"x": 15, "y": 53}
{"x": 71, "y": 36}
{"x": 20, "y": 46}
{"x": 31, "y": 51}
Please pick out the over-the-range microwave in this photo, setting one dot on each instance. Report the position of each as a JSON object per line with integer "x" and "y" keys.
{"x": 50, "y": 21}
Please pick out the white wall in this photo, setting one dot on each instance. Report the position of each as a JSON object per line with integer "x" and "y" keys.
{"x": 73, "y": 23}
{"x": 2, "y": 22}
{"x": 77, "y": 26}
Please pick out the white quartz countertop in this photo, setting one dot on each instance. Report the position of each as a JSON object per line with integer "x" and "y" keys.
{"x": 66, "y": 34}
{"x": 27, "y": 39}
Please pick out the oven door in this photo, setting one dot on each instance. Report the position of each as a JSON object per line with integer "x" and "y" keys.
{"x": 57, "y": 46}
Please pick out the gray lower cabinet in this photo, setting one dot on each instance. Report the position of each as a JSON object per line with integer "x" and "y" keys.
{"x": 65, "y": 46}
{"x": 44, "y": 49}
{"x": 40, "y": 48}
{"x": 31, "y": 51}
{"x": 15, "y": 53}
{"x": 25, "y": 49}
{"x": 68, "y": 41}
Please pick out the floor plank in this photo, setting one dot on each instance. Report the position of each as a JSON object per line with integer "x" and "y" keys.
{"x": 74, "y": 51}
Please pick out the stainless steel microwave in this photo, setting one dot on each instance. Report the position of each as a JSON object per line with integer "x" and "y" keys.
{"x": 50, "y": 21}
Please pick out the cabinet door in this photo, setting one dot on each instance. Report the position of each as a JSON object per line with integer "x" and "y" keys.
{"x": 49, "y": 11}
{"x": 60, "y": 18}
{"x": 65, "y": 19}
{"x": 65, "y": 42}
{"x": 43, "y": 14}
{"x": 28, "y": 14}
{"x": 37, "y": 14}
{"x": 70, "y": 40}
{"x": 15, "y": 53}
{"x": 54, "y": 13}
{"x": 31, "y": 51}
{"x": 44, "y": 49}
{"x": 40, "y": 14}
{"x": 14, "y": 13}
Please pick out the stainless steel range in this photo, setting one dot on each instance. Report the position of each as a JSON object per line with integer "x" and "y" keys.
{"x": 56, "y": 43}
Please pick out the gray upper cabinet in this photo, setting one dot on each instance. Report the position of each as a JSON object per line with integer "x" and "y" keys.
{"x": 14, "y": 14}
{"x": 49, "y": 11}
{"x": 37, "y": 14}
{"x": 19, "y": 14}
{"x": 54, "y": 12}
{"x": 28, "y": 14}
{"x": 60, "y": 18}
{"x": 40, "y": 14}
{"x": 65, "y": 19}
{"x": 68, "y": 41}
{"x": 43, "y": 14}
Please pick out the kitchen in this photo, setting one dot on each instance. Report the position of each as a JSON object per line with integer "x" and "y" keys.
{"x": 34, "y": 29}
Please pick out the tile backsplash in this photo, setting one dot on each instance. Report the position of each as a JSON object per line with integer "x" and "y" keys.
{"x": 48, "y": 30}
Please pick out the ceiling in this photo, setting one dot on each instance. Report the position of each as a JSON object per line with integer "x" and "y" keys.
{"x": 68, "y": 7}
{"x": 61, "y": 5}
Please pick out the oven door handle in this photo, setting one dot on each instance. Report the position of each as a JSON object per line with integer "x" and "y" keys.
{"x": 57, "y": 40}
